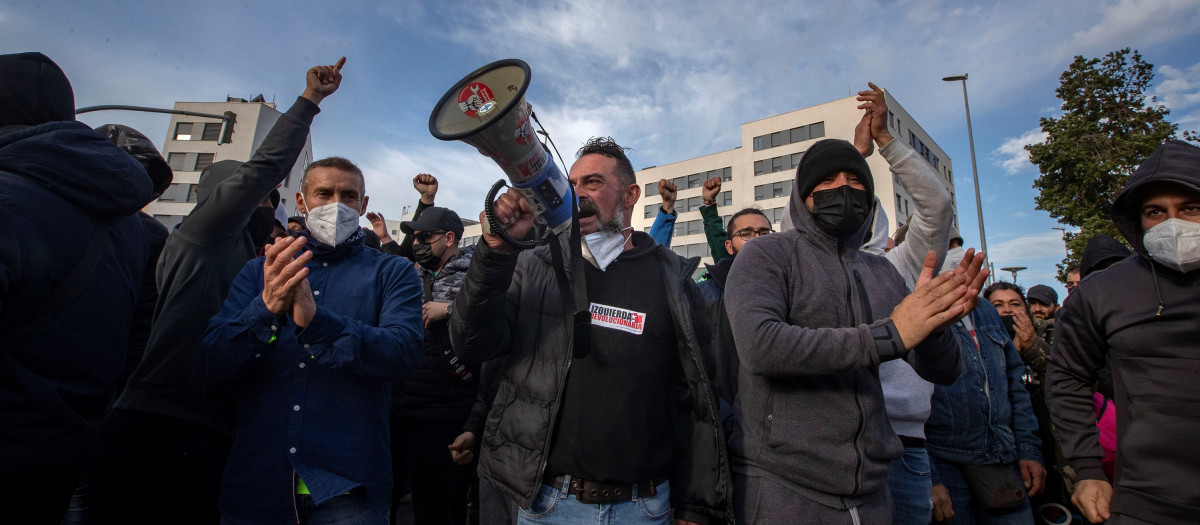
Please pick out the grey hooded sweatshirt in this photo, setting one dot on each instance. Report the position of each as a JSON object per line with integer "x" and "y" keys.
{"x": 809, "y": 315}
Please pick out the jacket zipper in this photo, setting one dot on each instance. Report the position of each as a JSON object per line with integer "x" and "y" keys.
{"x": 858, "y": 460}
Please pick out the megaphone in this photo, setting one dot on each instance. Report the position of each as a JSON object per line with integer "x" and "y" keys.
{"x": 487, "y": 109}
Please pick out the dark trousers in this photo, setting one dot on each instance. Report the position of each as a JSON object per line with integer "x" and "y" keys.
{"x": 40, "y": 495}
{"x": 155, "y": 469}
{"x": 439, "y": 486}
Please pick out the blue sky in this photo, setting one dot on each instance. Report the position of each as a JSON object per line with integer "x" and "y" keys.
{"x": 672, "y": 79}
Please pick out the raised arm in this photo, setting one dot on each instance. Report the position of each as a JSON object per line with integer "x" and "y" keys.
{"x": 714, "y": 230}
{"x": 663, "y": 229}
{"x": 232, "y": 201}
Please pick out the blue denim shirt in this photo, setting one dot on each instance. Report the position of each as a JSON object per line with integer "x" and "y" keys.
{"x": 985, "y": 416}
{"x": 313, "y": 402}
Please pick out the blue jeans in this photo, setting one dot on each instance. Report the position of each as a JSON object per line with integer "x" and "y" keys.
{"x": 554, "y": 506}
{"x": 967, "y": 512}
{"x": 912, "y": 488}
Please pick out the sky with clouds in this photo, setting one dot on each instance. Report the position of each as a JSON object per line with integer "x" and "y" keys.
{"x": 672, "y": 79}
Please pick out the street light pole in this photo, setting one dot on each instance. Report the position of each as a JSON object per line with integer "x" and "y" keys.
{"x": 974, "y": 169}
{"x": 1064, "y": 238}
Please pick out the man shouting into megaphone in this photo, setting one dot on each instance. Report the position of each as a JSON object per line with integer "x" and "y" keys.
{"x": 616, "y": 423}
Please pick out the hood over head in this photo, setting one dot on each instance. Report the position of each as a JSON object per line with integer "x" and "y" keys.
{"x": 877, "y": 236}
{"x": 33, "y": 90}
{"x": 825, "y": 157}
{"x": 213, "y": 175}
{"x": 1101, "y": 252}
{"x": 79, "y": 165}
{"x": 142, "y": 149}
{"x": 1175, "y": 161}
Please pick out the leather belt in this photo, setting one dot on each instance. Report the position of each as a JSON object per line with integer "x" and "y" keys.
{"x": 597, "y": 492}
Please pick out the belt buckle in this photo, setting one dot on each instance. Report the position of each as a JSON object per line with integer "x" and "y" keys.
{"x": 591, "y": 492}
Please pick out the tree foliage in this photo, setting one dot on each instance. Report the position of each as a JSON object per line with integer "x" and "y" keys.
{"x": 1107, "y": 128}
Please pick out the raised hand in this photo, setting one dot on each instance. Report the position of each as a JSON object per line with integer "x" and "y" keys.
{"x": 514, "y": 213}
{"x": 875, "y": 103}
{"x": 1026, "y": 335}
{"x": 379, "y": 226}
{"x": 862, "y": 136}
{"x": 709, "y": 192}
{"x": 427, "y": 186}
{"x": 322, "y": 81}
{"x": 668, "y": 191}
{"x": 934, "y": 304}
{"x": 282, "y": 272}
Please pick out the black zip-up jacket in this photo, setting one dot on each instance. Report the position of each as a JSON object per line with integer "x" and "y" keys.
{"x": 1143, "y": 318}
{"x": 509, "y": 305}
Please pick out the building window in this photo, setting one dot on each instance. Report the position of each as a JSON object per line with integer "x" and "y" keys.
{"x": 183, "y": 131}
{"x": 773, "y": 190}
{"x": 175, "y": 160}
{"x": 726, "y": 174}
{"x": 789, "y": 136}
{"x": 651, "y": 189}
{"x": 203, "y": 160}
{"x": 725, "y": 198}
{"x": 891, "y": 120}
{"x": 212, "y": 131}
{"x": 651, "y": 209}
{"x": 191, "y": 196}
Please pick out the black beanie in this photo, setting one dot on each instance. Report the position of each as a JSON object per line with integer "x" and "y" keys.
{"x": 831, "y": 156}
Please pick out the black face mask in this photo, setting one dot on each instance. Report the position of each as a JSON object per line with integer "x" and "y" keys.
{"x": 424, "y": 256}
{"x": 261, "y": 225}
{"x": 840, "y": 212}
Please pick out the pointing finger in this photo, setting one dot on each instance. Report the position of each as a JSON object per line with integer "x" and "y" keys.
{"x": 341, "y": 62}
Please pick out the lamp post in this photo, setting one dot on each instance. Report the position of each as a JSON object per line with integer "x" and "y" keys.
{"x": 1064, "y": 238}
{"x": 1014, "y": 270}
{"x": 974, "y": 169}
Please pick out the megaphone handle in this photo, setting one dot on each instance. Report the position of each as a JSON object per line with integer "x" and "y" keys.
{"x": 493, "y": 223}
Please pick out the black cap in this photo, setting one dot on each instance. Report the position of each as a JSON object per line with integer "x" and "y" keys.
{"x": 434, "y": 219}
{"x": 1042, "y": 294}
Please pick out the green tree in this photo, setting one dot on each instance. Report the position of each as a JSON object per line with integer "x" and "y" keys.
{"x": 1107, "y": 128}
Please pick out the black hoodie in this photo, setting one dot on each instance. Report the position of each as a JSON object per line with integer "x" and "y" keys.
{"x": 196, "y": 269}
{"x": 58, "y": 179}
{"x": 1143, "y": 318}
{"x": 1101, "y": 252}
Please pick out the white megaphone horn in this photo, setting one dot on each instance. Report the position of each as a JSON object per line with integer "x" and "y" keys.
{"x": 487, "y": 109}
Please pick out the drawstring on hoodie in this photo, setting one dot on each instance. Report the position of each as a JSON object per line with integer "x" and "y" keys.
{"x": 1157, "y": 292}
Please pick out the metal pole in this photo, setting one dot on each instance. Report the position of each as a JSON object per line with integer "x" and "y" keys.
{"x": 229, "y": 117}
{"x": 975, "y": 175}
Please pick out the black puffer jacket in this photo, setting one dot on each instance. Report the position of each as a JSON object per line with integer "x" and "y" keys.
{"x": 1142, "y": 317}
{"x": 509, "y": 305}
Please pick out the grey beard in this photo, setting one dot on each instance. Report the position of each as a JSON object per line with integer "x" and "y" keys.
{"x": 616, "y": 223}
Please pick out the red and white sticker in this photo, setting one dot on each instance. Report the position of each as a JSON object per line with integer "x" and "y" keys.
{"x": 618, "y": 318}
{"x": 473, "y": 97}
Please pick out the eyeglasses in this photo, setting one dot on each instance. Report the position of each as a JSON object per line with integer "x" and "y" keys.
{"x": 423, "y": 237}
{"x": 749, "y": 233}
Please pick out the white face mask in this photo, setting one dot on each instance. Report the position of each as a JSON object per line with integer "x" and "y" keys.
{"x": 603, "y": 247}
{"x": 1174, "y": 243}
{"x": 332, "y": 223}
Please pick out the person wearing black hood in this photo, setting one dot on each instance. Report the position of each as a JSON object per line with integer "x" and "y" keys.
{"x": 141, "y": 148}
{"x": 1141, "y": 316}
{"x": 813, "y": 317}
{"x": 66, "y": 301}
{"x": 164, "y": 445}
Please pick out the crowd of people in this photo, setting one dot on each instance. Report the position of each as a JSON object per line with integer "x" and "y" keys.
{"x": 243, "y": 370}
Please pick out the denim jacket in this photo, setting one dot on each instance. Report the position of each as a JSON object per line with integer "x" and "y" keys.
{"x": 985, "y": 416}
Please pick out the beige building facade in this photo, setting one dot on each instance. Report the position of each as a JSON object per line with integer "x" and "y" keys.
{"x": 192, "y": 144}
{"x": 759, "y": 172}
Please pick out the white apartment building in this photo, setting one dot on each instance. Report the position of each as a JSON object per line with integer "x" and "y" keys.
{"x": 192, "y": 144}
{"x": 759, "y": 172}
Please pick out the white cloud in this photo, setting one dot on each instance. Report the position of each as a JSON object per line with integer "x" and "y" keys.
{"x": 1012, "y": 156}
{"x": 1140, "y": 22}
{"x": 1025, "y": 250}
{"x": 1181, "y": 87}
